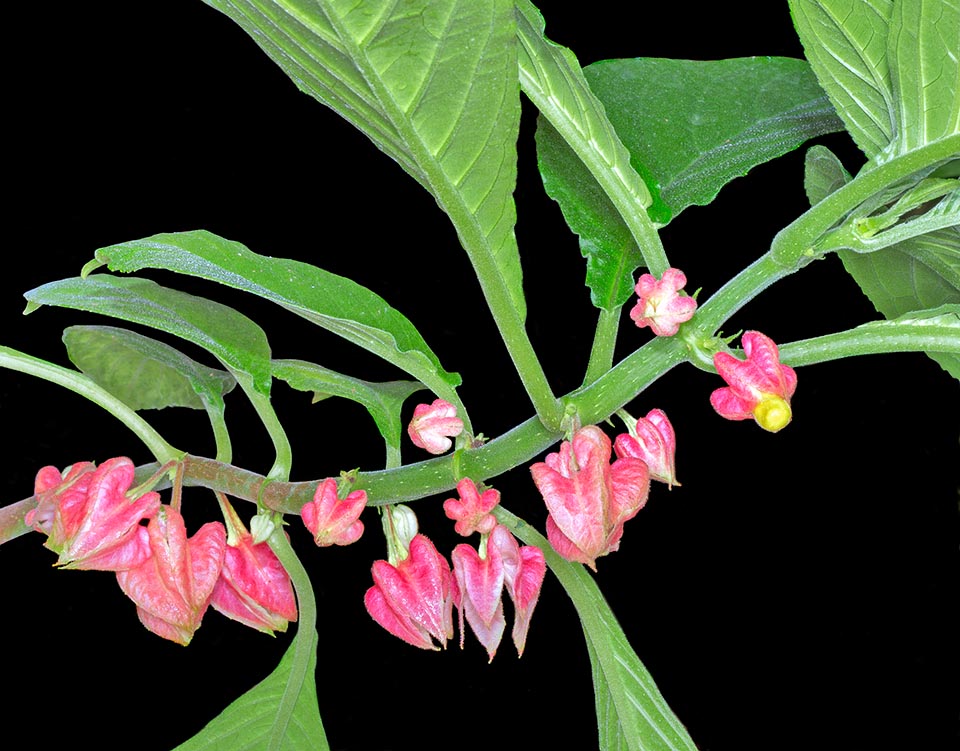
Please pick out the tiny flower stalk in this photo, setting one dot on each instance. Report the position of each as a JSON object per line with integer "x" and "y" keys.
{"x": 253, "y": 587}
{"x": 759, "y": 388}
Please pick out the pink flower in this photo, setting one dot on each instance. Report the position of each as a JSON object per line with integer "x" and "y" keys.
{"x": 653, "y": 440}
{"x": 332, "y": 521}
{"x": 524, "y": 569}
{"x": 413, "y": 599}
{"x": 254, "y": 587}
{"x": 477, "y": 586}
{"x": 472, "y": 511}
{"x": 660, "y": 306}
{"x": 173, "y": 587}
{"x": 759, "y": 387}
{"x": 89, "y": 520}
{"x": 432, "y": 424}
{"x": 588, "y": 498}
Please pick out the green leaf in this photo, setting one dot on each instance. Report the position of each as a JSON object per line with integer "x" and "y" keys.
{"x": 846, "y": 44}
{"x": 382, "y": 400}
{"x": 233, "y": 338}
{"x": 692, "y": 126}
{"x": 632, "y": 714}
{"x": 143, "y": 372}
{"x": 605, "y": 240}
{"x": 823, "y": 173}
{"x": 924, "y": 57}
{"x": 257, "y": 720}
{"x": 333, "y": 302}
{"x": 919, "y": 273}
{"x": 432, "y": 83}
{"x": 616, "y": 234}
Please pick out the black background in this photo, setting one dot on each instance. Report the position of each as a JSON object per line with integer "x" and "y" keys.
{"x": 798, "y": 591}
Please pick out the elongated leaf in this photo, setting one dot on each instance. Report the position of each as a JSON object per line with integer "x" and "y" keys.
{"x": 252, "y": 721}
{"x": 632, "y": 714}
{"x": 610, "y": 218}
{"x": 846, "y": 44}
{"x": 433, "y": 84}
{"x": 333, "y": 302}
{"x": 382, "y": 400}
{"x": 232, "y": 337}
{"x": 924, "y": 57}
{"x": 693, "y": 125}
{"x": 143, "y": 372}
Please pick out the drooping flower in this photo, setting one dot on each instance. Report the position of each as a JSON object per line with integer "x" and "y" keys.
{"x": 588, "y": 498}
{"x": 524, "y": 569}
{"x": 477, "y": 589}
{"x": 89, "y": 520}
{"x": 472, "y": 510}
{"x": 331, "y": 520}
{"x": 653, "y": 440}
{"x": 172, "y": 588}
{"x": 413, "y": 599}
{"x": 759, "y": 387}
{"x": 660, "y": 306}
{"x": 254, "y": 587}
{"x": 433, "y": 425}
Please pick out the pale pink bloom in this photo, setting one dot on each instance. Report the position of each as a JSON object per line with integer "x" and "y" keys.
{"x": 89, "y": 520}
{"x": 433, "y": 425}
{"x": 477, "y": 589}
{"x": 472, "y": 511}
{"x": 588, "y": 498}
{"x": 173, "y": 587}
{"x": 413, "y": 600}
{"x": 254, "y": 587}
{"x": 652, "y": 439}
{"x": 331, "y": 520}
{"x": 759, "y": 387}
{"x": 524, "y": 569}
{"x": 660, "y": 306}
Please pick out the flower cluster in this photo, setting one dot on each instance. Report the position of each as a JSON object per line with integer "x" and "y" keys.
{"x": 94, "y": 521}
{"x": 414, "y": 593}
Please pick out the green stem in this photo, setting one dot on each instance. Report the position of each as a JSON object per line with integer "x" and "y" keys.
{"x": 872, "y": 339}
{"x": 306, "y": 639}
{"x": 81, "y": 384}
{"x": 604, "y": 341}
{"x": 794, "y": 245}
{"x": 801, "y": 235}
{"x": 264, "y": 408}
